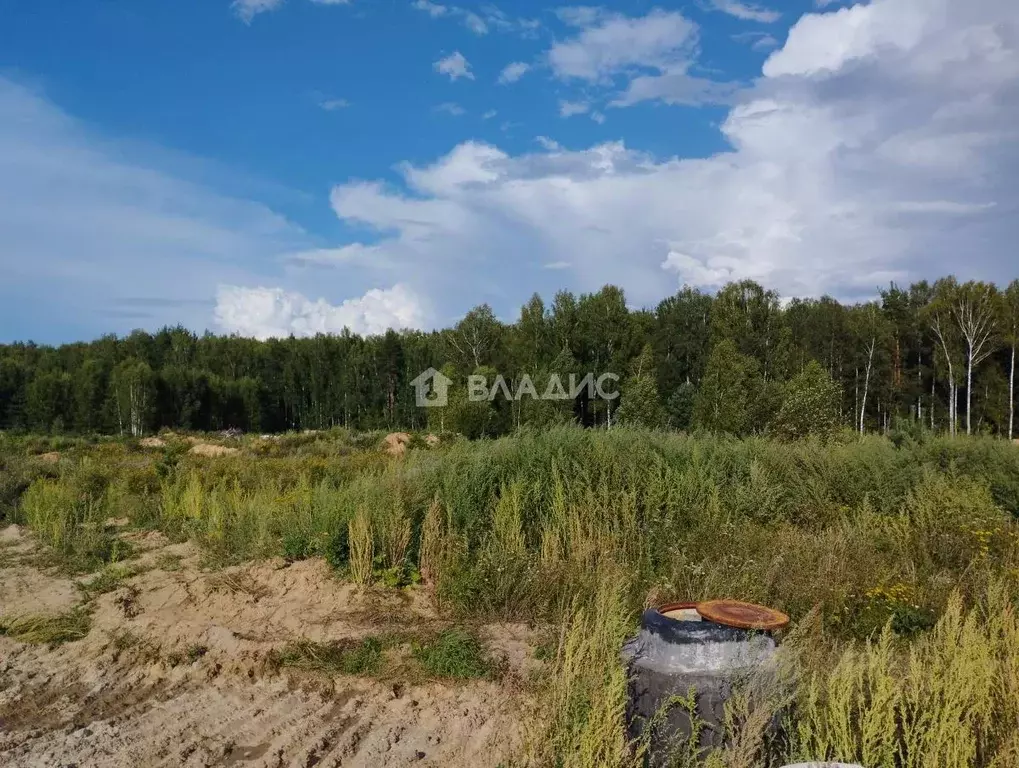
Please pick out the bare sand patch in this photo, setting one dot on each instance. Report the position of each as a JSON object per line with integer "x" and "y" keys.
{"x": 209, "y": 450}
{"x": 175, "y": 671}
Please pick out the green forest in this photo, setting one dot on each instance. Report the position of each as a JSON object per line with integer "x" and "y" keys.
{"x": 938, "y": 356}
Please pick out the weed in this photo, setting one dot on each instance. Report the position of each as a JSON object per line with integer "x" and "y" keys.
{"x": 361, "y": 548}
{"x": 107, "y": 580}
{"x": 128, "y": 602}
{"x": 580, "y": 721}
{"x": 364, "y": 657}
{"x": 295, "y": 546}
{"x": 168, "y": 561}
{"x": 456, "y": 654}
{"x": 237, "y": 583}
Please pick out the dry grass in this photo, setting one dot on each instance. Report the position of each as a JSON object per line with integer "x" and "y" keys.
{"x": 47, "y": 630}
{"x": 362, "y": 548}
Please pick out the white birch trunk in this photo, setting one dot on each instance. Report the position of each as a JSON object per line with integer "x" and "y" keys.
{"x": 1011, "y": 393}
{"x": 969, "y": 390}
{"x": 866, "y": 381}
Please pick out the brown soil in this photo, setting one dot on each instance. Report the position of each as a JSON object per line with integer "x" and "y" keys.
{"x": 177, "y": 669}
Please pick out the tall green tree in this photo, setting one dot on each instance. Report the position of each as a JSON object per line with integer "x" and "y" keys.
{"x": 811, "y": 405}
{"x": 91, "y": 381}
{"x": 641, "y": 405}
{"x": 724, "y": 401}
{"x": 134, "y": 392}
{"x": 681, "y": 338}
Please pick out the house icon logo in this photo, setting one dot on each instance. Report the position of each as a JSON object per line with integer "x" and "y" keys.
{"x": 431, "y": 389}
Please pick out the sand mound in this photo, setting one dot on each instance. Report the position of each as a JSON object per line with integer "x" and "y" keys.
{"x": 251, "y": 609}
{"x": 26, "y": 591}
{"x": 25, "y": 588}
{"x": 152, "y": 442}
{"x": 396, "y": 443}
{"x": 212, "y": 451}
{"x": 191, "y": 720}
{"x": 116, "y": 699}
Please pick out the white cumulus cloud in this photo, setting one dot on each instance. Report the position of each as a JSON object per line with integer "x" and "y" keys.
{"x": 435, "y": 10}
{"x": 877, "y": 145}
{"x": 655, "y": 53}
{"x": 746, "y": 11}
{"x": 571, "y": 108}
{"x": 513, "y": 72}
{"x": 246, "y": 10}
{"x": 475, "y": 23}
{"x": 608, "y": 44}
{"x": 454, "y": 65}
{"x": 264, "y": 313}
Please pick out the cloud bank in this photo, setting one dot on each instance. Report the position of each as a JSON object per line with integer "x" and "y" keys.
{"x": 879, "y": 144}
{"x": 265, "y": 313}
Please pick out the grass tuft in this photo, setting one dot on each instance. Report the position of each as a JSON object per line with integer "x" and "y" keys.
{"x": 362, "y": 657}
{"x": 48, "y": 630}
{"x": 456, "y": 654}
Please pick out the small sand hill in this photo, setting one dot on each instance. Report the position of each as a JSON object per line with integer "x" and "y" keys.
{"x": 211, "y": 451}
{"x": 395, "y": 443}
{"x": 115, "y": 698}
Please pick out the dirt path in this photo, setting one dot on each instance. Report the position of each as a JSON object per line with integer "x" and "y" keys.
{"x": 177, "y": 669}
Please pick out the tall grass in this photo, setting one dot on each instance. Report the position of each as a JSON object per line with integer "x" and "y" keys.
{"x": 361, "y": 548}
{"x": 577, "y": 527}
{"x": 71, "y": 514}
{"x": 950, "y": 698}
{"x": 580, "y": 722}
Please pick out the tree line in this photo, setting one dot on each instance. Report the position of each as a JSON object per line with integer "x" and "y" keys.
{"x": 939, "y": 355}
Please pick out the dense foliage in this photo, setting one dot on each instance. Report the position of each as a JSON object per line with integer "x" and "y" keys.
{"x": 940, "y": 355}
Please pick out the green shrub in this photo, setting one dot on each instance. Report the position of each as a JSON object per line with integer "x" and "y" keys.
{"x": 455, "y": 654}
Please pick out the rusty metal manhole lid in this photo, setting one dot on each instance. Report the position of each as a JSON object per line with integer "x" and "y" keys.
{"x": 731, "y": 613}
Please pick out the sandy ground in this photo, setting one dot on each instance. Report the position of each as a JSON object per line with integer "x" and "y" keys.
{"x": 175, "y": 671}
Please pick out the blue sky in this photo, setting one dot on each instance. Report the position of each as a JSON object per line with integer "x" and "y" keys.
{"x": 269, "y": 167}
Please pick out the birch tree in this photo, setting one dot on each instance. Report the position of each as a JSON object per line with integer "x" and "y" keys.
{"x": 939, "y": 316}
{"x": 474, "y": 338}
{"x": 134, "y": 395}
{"x": 871, "y": 328}
{"x": 974, "y": 309}
{"x": 1010, "y": 327}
